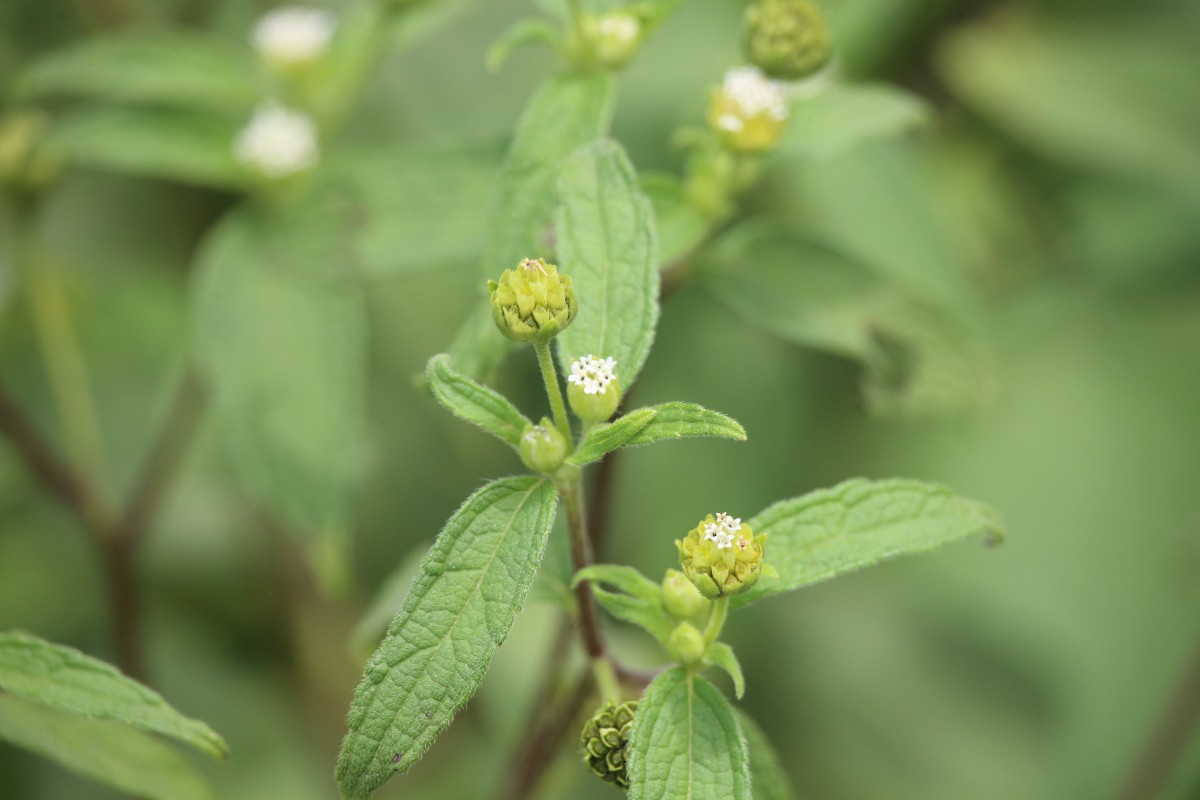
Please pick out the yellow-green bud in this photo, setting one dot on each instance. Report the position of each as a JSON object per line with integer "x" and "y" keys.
{"x": 533, "y": 302}
{"x": 543, "y": 448}
{"x": 686, "y": 644}
{"x": 681, "y": 599}
{"x": 615, "y": 38}
{"x": 593, "y": 389}
{"x": 787, "y": 39}
{"x": 748, "y": 111}
{"x": 604, "y": 739}
{"x": 721, "y": 556}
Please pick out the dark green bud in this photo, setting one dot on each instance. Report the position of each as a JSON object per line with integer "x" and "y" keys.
{"x": 532, "y": 303}
{"x": 604, "y": 739}
{"x": 787, "y": 39}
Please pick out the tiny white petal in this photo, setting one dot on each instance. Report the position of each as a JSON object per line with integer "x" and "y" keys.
{"x": 621, "y": 27}
{"x": 277, "y": 141}
{"x": 755, "y": 93}
{"x": 294, "y": 35}
{"x": 731, "y": 123}
{"x": 592, "y": 374}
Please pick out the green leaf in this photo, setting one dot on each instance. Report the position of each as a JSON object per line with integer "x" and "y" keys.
{"x": 771, "y": 781}
{"x": 686, "y": 743}
{"x": 70, "y": 681}
{"x": 477, "y": 404}
{"x": 843, "y": 117}
{"x": 681, "y": 228}
{"x": 389, "y": 598}
{"x": 531, "y": 30}
{"x": 606, "y": 243}
{"x": 604, "y": 439}
{"x": 722, "y": 655}
{"x": 478, "y": 349}
{"x": 918, "y": 356}
{"x": 858, "y": 523}
{"x": 627, "y": 579}
{"x": 175, "y": 145}
{"x": 105, "y": 751}
{"x": 641, "y": 601}
{"x": 281, "y": 338}
{"x": 185, "y": 71}
{"x": 459, "y": 610}
{"x": 686, "y": 420}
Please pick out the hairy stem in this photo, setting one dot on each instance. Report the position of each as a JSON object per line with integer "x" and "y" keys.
{"x": 716, "y": 619}
{"x": 581, "y": 556}
{"x": 553, "y": 391}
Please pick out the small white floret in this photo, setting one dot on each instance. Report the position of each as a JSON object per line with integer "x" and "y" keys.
{"x": 277, "y": 141}
{"x": 593, "y": 374}
{"x": 293, "y": 35}
{"x": 755, "y": 93}
{"x": 718, "y": 535}
{"x": 622, "y": 28}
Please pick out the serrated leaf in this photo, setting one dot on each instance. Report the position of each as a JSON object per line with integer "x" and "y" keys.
{"x": 105, "y": 751}
{"x": 686, "y": 743}
{"x": 843, "y": 117}
{"x": 184, "y": 71}
{"x": 459, "y": 610}
{"x": 604, "y": 439}
{"x": 280, "y": 334}
{"x": 65, "y": 679}
{"x": 858, "y": 523}
{"x": 607, "y": 244}
{"x": 771, "y": 781}
{"x": 477, "y": 404}
{"x": 531, "y": 30}
{"x": 722, "y": 655}
{"x": 175, "y": 145}
{"x": 686, "y": 420}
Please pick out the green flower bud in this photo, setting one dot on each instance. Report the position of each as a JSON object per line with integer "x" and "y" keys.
{"x": 748, "y": 112}
{"x": 787, "y": 39}
{"x": 604, "y": 738}
{"x": 592, "y": 388}
{"x": 721, "y": 556}
{"x": 615, "y": 38}
{"x": 686, "y": 644}
{"x": 543, "y": 448}
{"x": 532, "y": 303}
{"x": 680, "y": 597}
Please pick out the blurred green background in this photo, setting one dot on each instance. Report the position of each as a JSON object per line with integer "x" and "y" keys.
{"x": 1058, "y": 188}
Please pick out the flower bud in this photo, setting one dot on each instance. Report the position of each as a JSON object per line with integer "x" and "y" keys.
{"x": 748, "y": 111}
{"x": 604, "y": 739}
{"x": 787, "y": 39}
{"x": 615, "y": 38}
{"x": 291, "y": 39}
{"x": 680, "y": 597}
{"x": 532, "y": 303}
{"x": 686, "y": 644}
{"x": 278, "y": 142}
{"x": 721, "y": 556}
{"x": 592, "y": 388}
{"x": 543, "y": 448}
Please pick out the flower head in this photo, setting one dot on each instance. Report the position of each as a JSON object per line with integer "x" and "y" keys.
{"x": 278, "y": 141}
{"x": 533, "y": 302}
{"x": 592, "y": 374}
{"x": 721, "y": 556}
{"x": 787, "y": 39}
{"x": 292, "y": 37}
{"x": 604, "y": 739}
{"x": 748, "y": 111}
{"x": 593, "y": 389}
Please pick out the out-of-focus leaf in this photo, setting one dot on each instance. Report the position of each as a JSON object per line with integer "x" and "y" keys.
{"x": 722, "y": 655}
{"x": 843, "y": 117}
{"x": 383, "y": 609}
{"x": 189, "y": 72}
{"x": 478, "y": 348}
{"x": 859, "y": 523}
{"x": 604, "y": 439}
{"x": 607, "y": 244}
{"x": 280, "y": 333}
{"x": 67, "y": 680}
{"x": 771, "y": 781}
{"x": 415, "y": 209}
{"x": 532, "y": 30}
{"x": 686, "y": 743}
{"x": 681, "y": 229}
{"x": 176, "y": 145}
{"x": 1084, "y": 93}
{"x": 474, "y": 402}
{"x": 640, "y": 602}
{"x": 686, "y": 420}
{"x": 627, "y": 579}
{"x": 919, "y": 357}
{"x": 104, "y": 750}
{"x": 459, "y": 610}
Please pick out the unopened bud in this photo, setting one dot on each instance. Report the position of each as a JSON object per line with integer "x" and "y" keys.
{"x": 721, "y": 556}
{"x": 604, "y": 740}
{"x": 543, "y": 448}
{"x": 681, "y": 599}
{"x": 787, "y": 39}
{"x": 533, "y": 302}
{"x": 686, "y": 644}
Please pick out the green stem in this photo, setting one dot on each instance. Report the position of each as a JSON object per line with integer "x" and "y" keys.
{"x": 553, "y": 392}
{"x": 716, "y": 619}
{"x": 606, "y": 679}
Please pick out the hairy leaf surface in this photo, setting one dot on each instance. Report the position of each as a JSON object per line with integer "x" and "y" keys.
{"x": 842, "y": 117}
{"x": 604, "y": 439}
{"x": 686, "y": 420}
{"x": 474, "y": 402}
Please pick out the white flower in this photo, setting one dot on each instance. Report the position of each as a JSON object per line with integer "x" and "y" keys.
{"x": 593, "y": 374}
{"x": 754, "y": 93}
{"x": 277, "y": 141}
{"x": 716, "y": 533}
{"x": 623, "y": 28}
{"x": 721, "y": 532}
{"x": 293, "y": 35}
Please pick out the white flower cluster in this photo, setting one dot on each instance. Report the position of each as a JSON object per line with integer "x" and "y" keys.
{"x": 723, "y": 530}
{"x": 623, "y": 28}
{"x": 277, "y": 141}
{"x": 754, "y": 94}
{"x": 293, "y": 35}
{"x": 593, "y": 374}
